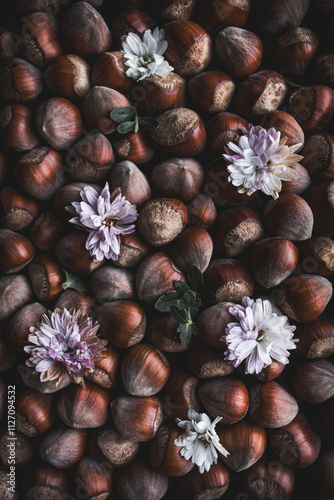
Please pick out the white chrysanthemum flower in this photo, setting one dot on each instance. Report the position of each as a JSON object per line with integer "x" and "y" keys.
{"x": 261, "y": 162}
{"x": 145, "y": 56}
{"x": 200, "y": 441}
{"x": 106, "y": 217}
{"x": 259, "y": 336}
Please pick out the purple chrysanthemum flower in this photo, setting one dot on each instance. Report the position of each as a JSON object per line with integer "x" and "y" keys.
{"x": 258, "y": 337}
{"x": 106, "y": 217}
{"x": 261, "y": 162}
{"x": 64, "y": 342}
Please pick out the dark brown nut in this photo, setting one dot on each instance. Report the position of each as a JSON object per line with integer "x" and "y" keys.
{"x": 289, "y": 216}
{"x": 225, "y": 397}
{"x": 40, "y": 172}
{"x": 236, "y": 229}
{"x": 246, "y": 443}
{"x": 296, "y": 444}
{"x": 181, "y": 132}
{"x": 229, "y": 279}
{"x": 179, "y": 178}
{"x": 271, "y": 406}
{"x": 260, "y": 93}
{"x": 84, "y": 31}
{"x": 59, "y": 122}
{"x": 128, "y": 320}
{"x": 239, "y": 50}
{"x": 137, "y": 417}
{"x": 189, "y": 47}
{"x": 304, "y": 297}
{"x": 68, "y": 76}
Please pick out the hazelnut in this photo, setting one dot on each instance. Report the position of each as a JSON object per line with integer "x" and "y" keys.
{"x": 201, "y": 211}
{"x": 236, "y": 229}
{"x": 225, "y": 397}
{"x": 272, "y": 260}
{"x": 17, "y": 211}
{"x": 40, "y": 172}
{"x": 161, "y": 220}
{"x": 189, "y": 47}
{"x": 128, "y": 320}
{"x": 59, "y": 122}
{"x": 289, "y": 216}
{"x": 246, "y": 443}
{"x": 45, "y": 231}
{"x": 193, "y": 247}
{"x": 296, "y": 444}
{"x": 239, "y": 50}
{"x": 72, "y": 254}
{"x": 286, "y": 125}
{"x": 214, "y": 482}
{"x": 212, "y": 91}
{"x": 229, "y": 280}
{"x": 91, "y": 158}
{"x": 139, "y": 480}
{"x": 295, "y": 49}
{"x": 271, "y": 406}
{"x": 136, "y": 417}
{"x": 83, "y": 407}
{"x": 312, "y": 107}
{"x": 260, "y": 93}
{"x": 68, "y": 76}
{"x": 109, "y": 70}
{"x": 18, "y": 327}
{"x": 181, "y": 132}
{"x": 319, "y": 155}
{"x": 20, "y": 81}
{"x": 112, "y": 283}
{"x": 215, "y": 15}
{"x": 316, "y": 338}
{"x": 180, "y": 395}
{"x": 313, "y": 381}
{"x": 84, "y": 31}
{"x": 304, "y": 297}
{"x": 270, "y": 479}
{"x": 179, "y": 178}
{"x": 39, "y": 38}
{"x": 155, "y": 276}
{"x": 144, "y": 370}
{"x": 132, "y": 181}
{"x": 275, "y": 16}
{"x": 63, "y": 447}
{"x": 17, "y": 128}
{"x": 15, "y": 293}
{"x": 165, "y": 456}
{"x": 16, "y": 251}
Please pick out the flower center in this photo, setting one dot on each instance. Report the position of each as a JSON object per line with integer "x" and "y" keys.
{"x": 111, "y": 220}
{"x": 260, "y": 335}
{"x": 145, "y": 60}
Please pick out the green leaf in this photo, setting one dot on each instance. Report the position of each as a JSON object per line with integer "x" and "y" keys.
{"x": 180, "y": 286}
{"x": 208, "y": 298}
{"x": 185, "y": 333}
{"x": 193, "y": 329}
{"x": 191, "y": 300}
{"x": 123, "y": 114}
{"x": 73, "y": 281}
{"x": 195, "y": 278}
{"x": 163, "y": 304}
{"x": 126, "y": 127}
{"x": 147, "y": 123}
{"x": 179, "y": 314}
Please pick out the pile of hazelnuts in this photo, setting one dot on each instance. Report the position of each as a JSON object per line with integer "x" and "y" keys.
{"x": 236, "y": 62}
